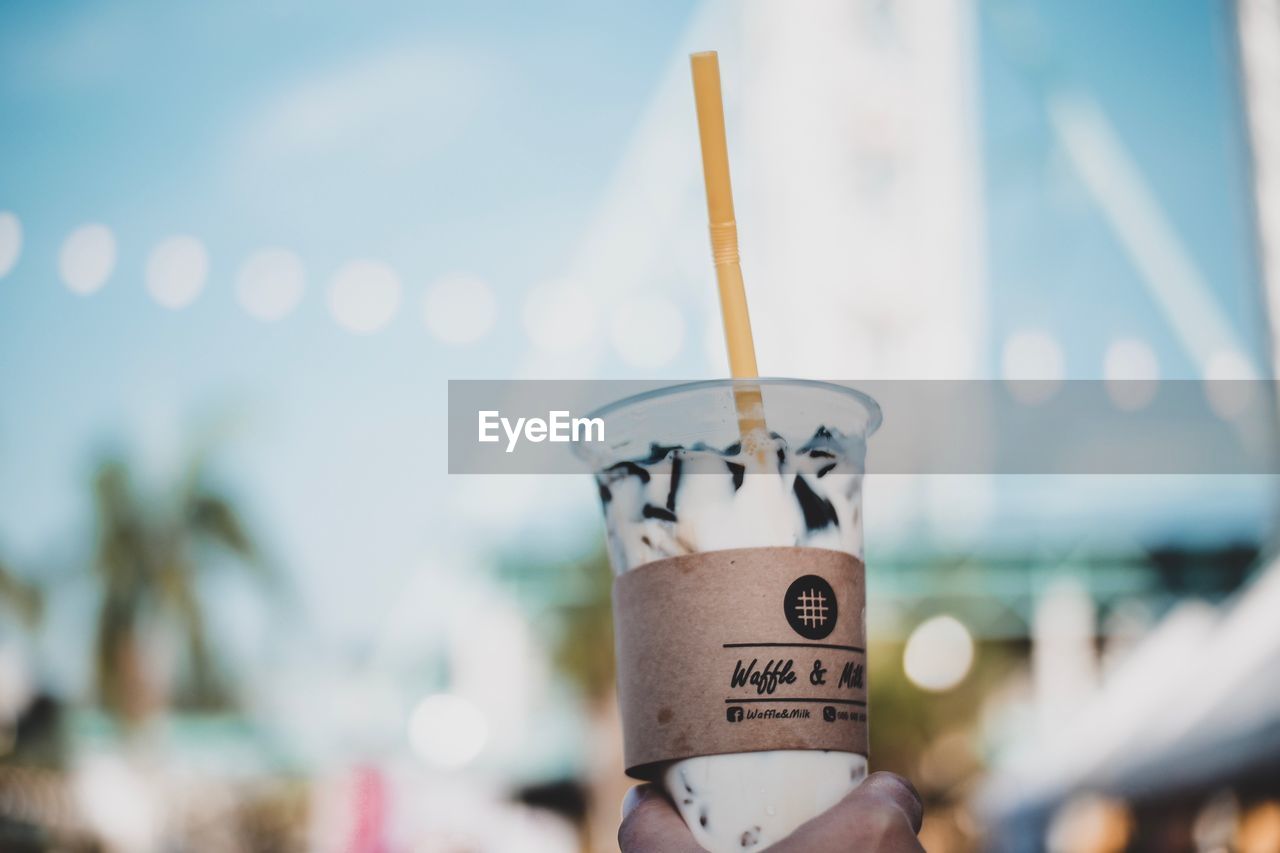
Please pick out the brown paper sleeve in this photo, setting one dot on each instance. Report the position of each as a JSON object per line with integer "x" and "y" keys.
{"x": 740, "y": 651}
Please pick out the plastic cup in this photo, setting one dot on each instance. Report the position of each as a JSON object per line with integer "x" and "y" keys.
{"x": 818, "y": 433}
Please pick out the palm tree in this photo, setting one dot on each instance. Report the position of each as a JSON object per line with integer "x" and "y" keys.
{"x": 150, "y": 555}
{"x": 21, "y": 596}
{"x": 583, "y": 648}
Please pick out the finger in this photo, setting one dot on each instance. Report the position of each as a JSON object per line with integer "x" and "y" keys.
{"x": 882, "y": 815}
{"x": 650, "y": 824}
{"x": 895, "y": 790}
{"x": 632, "y": 798}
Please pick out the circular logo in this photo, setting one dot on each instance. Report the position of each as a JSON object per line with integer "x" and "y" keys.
{"x": 810, "y": 606}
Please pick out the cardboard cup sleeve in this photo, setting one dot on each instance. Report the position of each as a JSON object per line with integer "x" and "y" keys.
{"x": 740, "y": 651}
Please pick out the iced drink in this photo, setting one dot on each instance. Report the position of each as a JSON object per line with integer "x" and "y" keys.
{"x": 676, "y": 478}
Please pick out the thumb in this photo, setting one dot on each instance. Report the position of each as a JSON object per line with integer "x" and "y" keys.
{"x": 883, "y": 814}
{"x": 650, "y": 824}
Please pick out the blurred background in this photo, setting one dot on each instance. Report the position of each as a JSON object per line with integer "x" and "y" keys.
{"x": 244, "y": 245}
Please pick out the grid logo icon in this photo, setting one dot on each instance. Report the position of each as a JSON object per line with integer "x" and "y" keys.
{"x": 810, "y": 607}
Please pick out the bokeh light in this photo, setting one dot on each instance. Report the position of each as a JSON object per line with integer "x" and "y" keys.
{"x": 176, "y": 271}
{"x": 647, "y": 331}
{"x": 1090, "y": 822}
{"x": 119, "y": 803}
{"x": 1259, "y": 830}
{"x": 939, "y": 654}
{"x": 364, "y": 296}
{"x": 1228, "y": 386}
{"x": 87, "y": 258}
{"x": 1031, "y": 364}
{"x": 16, "y": 686}
{"x": 560, "y": 316}
{"x": 10, "y": 241}
{"x": 1131, "y": 373}
{"x": 459, "y": 309}
{"x": 447, "y": 731}
{"x": 1217, "y": 822}
{"x": 270, "y": 284}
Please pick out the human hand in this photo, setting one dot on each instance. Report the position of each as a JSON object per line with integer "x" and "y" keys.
{"x": 882, "y": 815}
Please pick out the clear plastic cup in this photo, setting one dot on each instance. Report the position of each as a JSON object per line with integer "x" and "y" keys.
{"x": 725, "y": 498}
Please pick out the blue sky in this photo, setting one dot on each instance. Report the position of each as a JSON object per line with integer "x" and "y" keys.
{"x": 157, "y": 121}
{"x": 1165, "y": 76}
{"x": 476, "y": 139}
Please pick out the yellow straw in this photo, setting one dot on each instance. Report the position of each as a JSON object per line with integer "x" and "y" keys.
{"x": 724, "y": 241}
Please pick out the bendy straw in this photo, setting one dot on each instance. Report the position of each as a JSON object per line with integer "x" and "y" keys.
{"x": 724, "y": 240}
